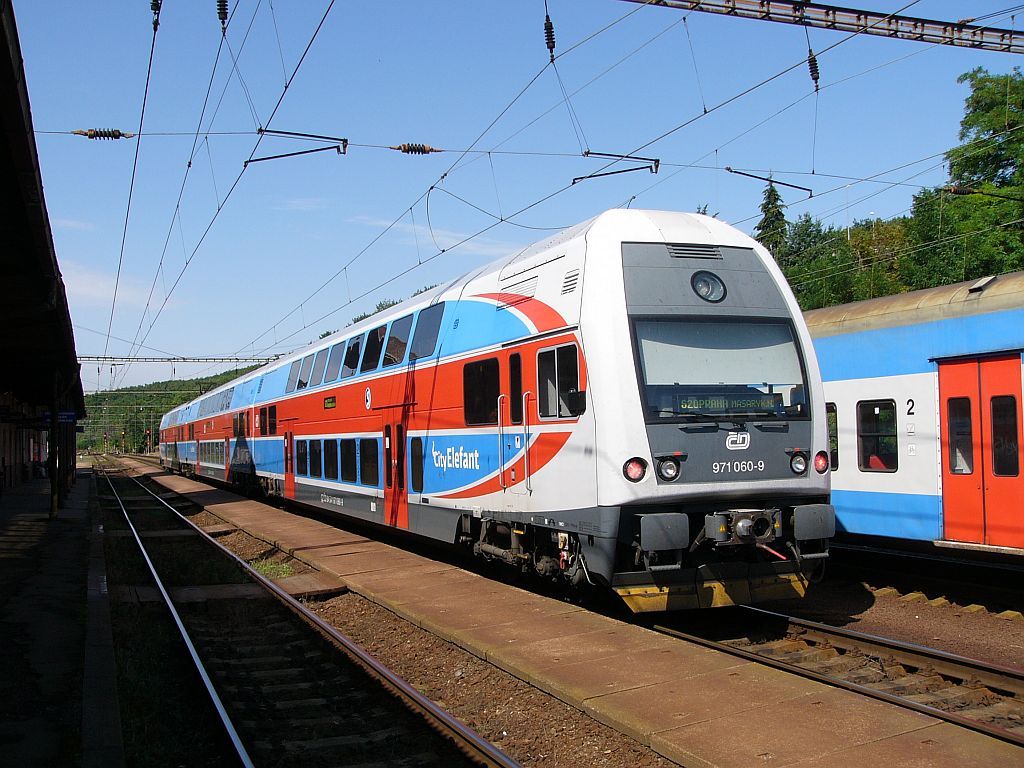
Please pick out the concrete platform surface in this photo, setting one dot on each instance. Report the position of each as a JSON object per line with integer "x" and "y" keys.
{"x": 695, "y": 706}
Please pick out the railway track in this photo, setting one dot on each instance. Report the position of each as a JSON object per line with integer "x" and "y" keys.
{"x": 980, "y": 696}
{"x": 288, "y": 688}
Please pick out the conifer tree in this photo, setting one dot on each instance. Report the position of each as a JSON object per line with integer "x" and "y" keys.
{"x": 771, "y": 229}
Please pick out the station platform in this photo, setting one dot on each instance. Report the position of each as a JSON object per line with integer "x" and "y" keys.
{"x": 58, "y": 700}
{"x": 694, "y": 706}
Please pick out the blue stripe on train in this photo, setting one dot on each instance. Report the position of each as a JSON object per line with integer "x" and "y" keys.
{"x": 900, "y": 515}
{"x": 912, "y": 348}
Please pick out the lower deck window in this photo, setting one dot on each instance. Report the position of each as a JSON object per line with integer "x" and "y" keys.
{"x": 961, "y": 436}
{"x": 480, "y": 390}
{"x": 301, "y": 458}
{"x": 878, "y": 447}
{"x": 315, "y": 462}
{"x": 330, "y": 459}
{"x": 369, "y": 472}
{"x": 832, "y": 422}
{"x": 348, "y": 461}
{"x": 1005, "y": 447}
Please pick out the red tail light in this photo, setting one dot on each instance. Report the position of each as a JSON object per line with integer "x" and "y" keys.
{"x": 821, "y": 462}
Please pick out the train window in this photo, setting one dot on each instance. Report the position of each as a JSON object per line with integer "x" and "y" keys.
{"x": 400, "y": 457}
{"x": 319, "y": 363}
{"x": 263, "y": 422}
{"x": 301, "y": 458}
{"x": 315, "y": 461}
{"x": 961, "y": 436}
{"x": 558, "y": 382}
{"x": 427, "y": 327}
{"x": 351, "y": 357}
{"x": 272, "y": 416}
{"x": 832, "y": 423}
{"x": 387, "y": 455}
{"x": 1005, "y": 448}
{"x": 374, "y": 345}
{"x": 331, "y": 459}
{"x": 398, "y": 340}
{"x": 293, "y": 376}
{"x": 304, "y": 371}
{"x": 416, "y": 464}
{"x": 515, "y": 388}
{"x": 480, "y": 390}
{"x": 334, "y": 362}
{"x": 878, "y": 448}
{"x": 348, "y": 461}
{"x": 369, "y": 472}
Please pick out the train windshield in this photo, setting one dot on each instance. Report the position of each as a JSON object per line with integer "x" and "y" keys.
{"x": 697, "y": 370}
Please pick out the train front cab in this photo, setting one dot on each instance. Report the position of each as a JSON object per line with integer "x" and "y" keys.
{"x": 980, "y": 424}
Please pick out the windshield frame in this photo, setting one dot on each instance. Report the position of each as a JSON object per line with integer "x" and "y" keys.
{"x": 652, "y": 416}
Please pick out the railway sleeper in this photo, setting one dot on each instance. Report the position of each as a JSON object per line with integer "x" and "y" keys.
{"x": 958, "y": 698}
{"x": 361, "y": 738}
{"x": 912, "y": 684}
{"x": 809, "y": 656}
{"x": 839, "y": 665}
{"x": 1006, "y": 715}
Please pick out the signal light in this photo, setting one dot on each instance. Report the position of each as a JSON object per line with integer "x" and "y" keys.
{"x": 635, "y": 469}
{"x": 821, "y": 462}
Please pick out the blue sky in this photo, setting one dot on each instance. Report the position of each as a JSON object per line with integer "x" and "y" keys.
{"x": 382, "y": 74}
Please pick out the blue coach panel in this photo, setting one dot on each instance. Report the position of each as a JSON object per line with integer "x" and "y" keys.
{"x": 274, "y": 383}
{"x": 268, "y": 455}
{"x": 474, "y": 324}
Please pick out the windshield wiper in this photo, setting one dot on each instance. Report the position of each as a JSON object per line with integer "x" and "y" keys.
{"x": 716, "y": 418}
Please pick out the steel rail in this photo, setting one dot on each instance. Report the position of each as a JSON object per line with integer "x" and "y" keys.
{"x": 475, "y": 746}
{"x": 946, "y": 660}
{"x": 229, "y": 726}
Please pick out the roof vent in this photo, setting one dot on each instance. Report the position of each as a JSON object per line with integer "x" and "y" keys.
{"x": 982, "y": 284}
{"x": 519, "y": 292}
{"x": 570, "y": 281}
{"x": 693, "y": 251}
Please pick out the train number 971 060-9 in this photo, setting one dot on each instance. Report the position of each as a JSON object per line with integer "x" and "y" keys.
{"x": 725, "y": 467}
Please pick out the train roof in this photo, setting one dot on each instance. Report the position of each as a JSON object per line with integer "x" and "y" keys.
{"x": 973, "y": 297}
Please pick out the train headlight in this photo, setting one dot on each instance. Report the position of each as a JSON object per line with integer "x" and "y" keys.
{"x": 798, "y": 463}
{"x": 668, "y": 469}
{"x": 708, "y": 286}
{"x": 635, "y": 469}
{"x": 821, "y": 462}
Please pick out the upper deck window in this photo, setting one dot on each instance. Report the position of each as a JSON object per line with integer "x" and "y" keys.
{"x": 699, "y": 370}
{"x": 304, "y": 371}
{"x": 293, "y": 376}
{"x": 398, "y": 341}
{"x": 351, "y": 363}
{"x": 374, "y": 346}
{"x": 427, "y": 327}
{"x": 319, "y": 364}
{"x": 334, "y": 363}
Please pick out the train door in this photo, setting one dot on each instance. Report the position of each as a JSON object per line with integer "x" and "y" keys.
{"x": 289, "y": 465}
{"x": 512, "y": 427}
{"x": 396, "y": 491}
{"x": 980, "y": 426}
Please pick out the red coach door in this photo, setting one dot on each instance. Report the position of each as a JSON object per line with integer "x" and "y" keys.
{"x": 980, "y": 423}
{"x": 289, "y": 465}
{"x": 396, "y": 490}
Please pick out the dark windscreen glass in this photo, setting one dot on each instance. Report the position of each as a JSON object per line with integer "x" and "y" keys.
{"x": 374, "y": 346}
{"x": 398, "y": 340}
{"x": 693, "y": 369}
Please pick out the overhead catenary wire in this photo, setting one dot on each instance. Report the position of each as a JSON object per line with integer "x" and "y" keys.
{"x": 155, "y": 6}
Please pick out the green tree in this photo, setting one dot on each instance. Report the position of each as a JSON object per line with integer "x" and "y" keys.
{"x": 381, "y": 306}
{"x": 771, "y": 229}
{"x": 993, "y": 148}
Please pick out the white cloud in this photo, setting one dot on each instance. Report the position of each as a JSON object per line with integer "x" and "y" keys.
{"x": 72, "y": 224}
{"x": 87, "y": 287}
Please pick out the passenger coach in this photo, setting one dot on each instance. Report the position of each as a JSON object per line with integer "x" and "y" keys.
{"x": 924, "y": 399}
{"x": 632, "y": 403}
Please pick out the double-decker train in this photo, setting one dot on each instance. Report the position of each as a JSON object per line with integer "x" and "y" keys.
{"x": 632, "y": 403}
{"x": 924, "y": 398}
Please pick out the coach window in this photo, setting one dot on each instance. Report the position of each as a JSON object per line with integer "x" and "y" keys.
{"x": 351, "y": 357}
{"x": 301, "y": 458}
{"x": 558, "y": 382}
{"x": 263, "y": 422}
{"x": 1005, "y": 448}
{"x": 387, "y": 455}
{"x": 374, "y": 345}
{"x": 427, "y": 327}
{"x": 369, "y": 473}
{"x": 878, "y": 450}
{"x": 334, "y": 362}
{"x": 416, "y": 464}
{"x": 330, "y": 459}
{"x": 832, "y": 422}
{"x": 348, "y": 461}
{"x": 307, "y": 367}
{"x": 272, "y": 417}
{"x": 315, "y": 461}
{"x": 293, "y": 376}
{"x": 961, "y": 436}
{"x": 398, "y": 341}
{"x": 480, "y": 390}
{"x": 319, "y": 363}
{"x": 515, "y": 388}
